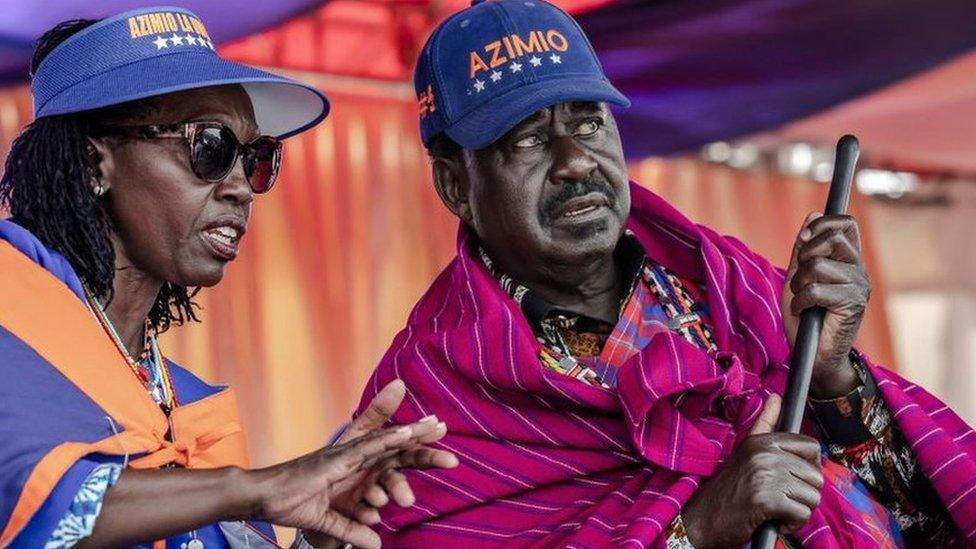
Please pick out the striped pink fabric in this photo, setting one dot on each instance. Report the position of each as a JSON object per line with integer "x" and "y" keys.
{"x": 549, "y": 461}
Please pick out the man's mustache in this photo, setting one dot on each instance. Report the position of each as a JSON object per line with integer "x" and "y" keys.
{"x": 568, "y": 191}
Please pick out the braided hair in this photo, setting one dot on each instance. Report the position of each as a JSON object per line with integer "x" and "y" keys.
{"x": 47, "y": 188}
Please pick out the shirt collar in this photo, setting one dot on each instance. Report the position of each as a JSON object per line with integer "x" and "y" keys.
{"x": 629, "y": 255}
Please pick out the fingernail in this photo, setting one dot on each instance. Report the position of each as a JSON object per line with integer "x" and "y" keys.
{"x": 403, "y": 430}
{"x": 805, "y": 234}
{"x": 429, "y": 419}
{"x": 442, "y": 425}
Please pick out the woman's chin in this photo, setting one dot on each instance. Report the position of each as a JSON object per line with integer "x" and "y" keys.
{"x": 203, "y": 276}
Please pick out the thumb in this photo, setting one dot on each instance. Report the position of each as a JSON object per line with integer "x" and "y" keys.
{"x": 379, "y": 410}
{"x": 769, "y": 416}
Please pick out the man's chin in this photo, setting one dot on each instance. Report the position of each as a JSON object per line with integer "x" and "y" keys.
{"x": 583, "y": 233}
{"x": 585, "y": 240}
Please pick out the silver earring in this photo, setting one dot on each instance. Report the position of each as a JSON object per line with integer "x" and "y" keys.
{"x": 99, "y": 189}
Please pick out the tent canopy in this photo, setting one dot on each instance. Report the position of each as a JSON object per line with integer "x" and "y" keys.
{"x": 696, "y": 72}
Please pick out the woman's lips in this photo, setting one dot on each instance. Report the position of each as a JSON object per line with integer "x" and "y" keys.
{"x": 223, "y": 237}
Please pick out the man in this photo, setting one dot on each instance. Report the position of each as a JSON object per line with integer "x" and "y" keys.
{"x": 608, "y": 369}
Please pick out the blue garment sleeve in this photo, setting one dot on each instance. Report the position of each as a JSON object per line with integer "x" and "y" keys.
{"x": 79, "y": 521}
{"x": 42, "y": 525}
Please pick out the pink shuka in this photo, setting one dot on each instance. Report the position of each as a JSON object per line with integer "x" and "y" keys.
{"x": 549, "y": 461}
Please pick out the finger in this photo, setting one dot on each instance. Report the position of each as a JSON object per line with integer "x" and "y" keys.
{"x": 792, "y": 469}
{"x": 425, "y": 458}
{"x": 811, "y": 473}
{"x": 356, "y": 482}
{"x": 802, "y": 492}
{"x": 372, "y": 461}
{"x": 427, "y": 430}
{"x": 828, "y": 223}
{"x": 833, "y": 245}
{"x": 826, "y": 271}
{"x": 364, "y": 451}
{"x": 383, "y": 405}
{"x": 415, "y": 458}
{"x": 833, "y": 297}
{"x": 376, "y": 496}
{"x": 840, "y": 244}
{"x": 769, "y": 416}
{"x": 367, "y": 514}
{"x": 355, "y": 486}
{"x": 801, "y": 446}
{"x": 395, "y": 484}
{"x": 349, "y": 531}
{"x": 792, "y": 515}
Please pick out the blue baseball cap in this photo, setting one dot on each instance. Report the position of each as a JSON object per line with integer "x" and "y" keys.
{"x": 154, "y": 51}
{"x": 489, "y": 66}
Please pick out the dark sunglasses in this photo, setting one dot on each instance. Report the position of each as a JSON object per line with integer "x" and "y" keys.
{"x": 214, "y": 150}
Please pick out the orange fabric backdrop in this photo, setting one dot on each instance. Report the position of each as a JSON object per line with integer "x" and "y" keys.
{"x": 352, "y": 235}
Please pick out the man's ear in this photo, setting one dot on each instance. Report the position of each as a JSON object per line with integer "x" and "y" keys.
{"x": 451, "y": 182}
{"x": 101, "y": 163}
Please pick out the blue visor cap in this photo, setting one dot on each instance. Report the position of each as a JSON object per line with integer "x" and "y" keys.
{"x": 154, "y": 51}
{"x": 488, "y": 67}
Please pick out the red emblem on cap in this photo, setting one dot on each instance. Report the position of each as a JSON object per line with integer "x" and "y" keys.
{"x": 426, "y": 101}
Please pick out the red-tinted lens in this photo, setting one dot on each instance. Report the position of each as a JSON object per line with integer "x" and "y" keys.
{"x": 213, "y": 152}
{"x": 261, "y": 163}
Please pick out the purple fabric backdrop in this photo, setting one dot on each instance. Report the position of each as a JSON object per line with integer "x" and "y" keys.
{"x": 696, "y": 71}
{"x": 715, "y": 69}
{"x": 22, "y": 21}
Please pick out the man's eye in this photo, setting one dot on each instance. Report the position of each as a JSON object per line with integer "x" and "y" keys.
{"x": 528, "y": 142}
{"x": 589, "y": 127}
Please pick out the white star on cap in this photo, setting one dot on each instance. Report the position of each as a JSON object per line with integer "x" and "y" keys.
{"x": 535, "y": 61}
{"x": 177, "y": 40}
{"x": 496, "y": 76}
{"x": 191, "y": 40}
{"x": 556, "y": 60}
{"x": 479, "y": 85}
{"x": 161, "y": 43}
{"x": 516, "y": 67}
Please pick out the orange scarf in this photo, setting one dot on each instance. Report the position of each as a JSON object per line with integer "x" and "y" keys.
{"x": 206, "y": 433}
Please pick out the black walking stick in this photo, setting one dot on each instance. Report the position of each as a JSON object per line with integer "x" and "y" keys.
{"x": 811, "y": 322}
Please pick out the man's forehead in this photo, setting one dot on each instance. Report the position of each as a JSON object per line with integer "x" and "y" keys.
{"x": 573, "y": 107}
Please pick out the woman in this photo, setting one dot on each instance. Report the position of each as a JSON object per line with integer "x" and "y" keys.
{"x": 132, "y": 187}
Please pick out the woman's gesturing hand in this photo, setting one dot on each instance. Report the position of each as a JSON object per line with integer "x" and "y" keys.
{"x": 334, "y": 494}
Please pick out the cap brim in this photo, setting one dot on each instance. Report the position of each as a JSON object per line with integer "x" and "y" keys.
{"x": 282, "y": 107}
{"x": 488, "y": 122}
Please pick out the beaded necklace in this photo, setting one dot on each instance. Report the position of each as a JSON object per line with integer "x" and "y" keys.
{"x": 156, "y": 377}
